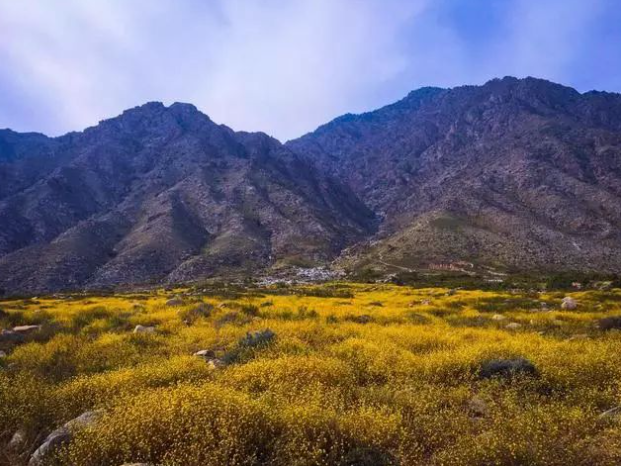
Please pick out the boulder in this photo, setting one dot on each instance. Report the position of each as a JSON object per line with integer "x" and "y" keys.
{"x": 507, "y": 368}
{"x": 611, "y": 415}
{"x": 513, "y": 326}
{"x": 362, "y": 319}
{"x": 26, "y": 329}
{"x": 174, "y": 302}
{"x": 144, "y": 329}
{"x": 206, "y": 354}
{"x": 477, "y": 406}
{"x": 62, "y": 435}
{"x": 18, "y": 440}
{"x": 568, "y": 303}
{"x": 215, "y": 363}
{"x": 3, "y": 354}
{"x": 498, "y": 317}
{"x": 579, "y": 336}
{"x": 610, "y": 323}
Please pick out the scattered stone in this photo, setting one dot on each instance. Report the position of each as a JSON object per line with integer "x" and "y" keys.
{"x": 62, "y": 435}
{"x": 206, "y": 354}
{"x": 174, "y": 302}
{"x": 611, "y": 414}
{"x": 18, "y": 439}
{"x": 610, "y": 323}
{"x": 144, "y": 329}
{"x": 568, "y": 303}
{"x": 257, "y": 339}
{"x": 580, "y": 336}
{"x": 451, "y": 292}
{"x": 498, "y": 317}
{"x": 2, "y": 354}
{"x": 513, "y": 326}
{"x": 26, "y": 329}
{"x": 189, "y": 316}
{"x": 507, "y": 368}
{"x": 478, "y": 407}
{"x": 215, "y": 363}
{"x": 363, "y": 319}
{"x": 136, "y": 464}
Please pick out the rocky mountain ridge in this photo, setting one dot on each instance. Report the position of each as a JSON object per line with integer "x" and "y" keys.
{"x": 517, "y": 174}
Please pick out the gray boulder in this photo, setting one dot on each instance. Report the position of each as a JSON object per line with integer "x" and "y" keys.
{"x": 26, "y": 329}
{"x": 610, "y": 323}
{"x": 507, "y": 368}
{"x": 568, "y": 303}
{"x": 174, "y": 302}
{"x": 18, "y": 439}
{"x": 63, "y": 435}
{"x": 144, "y": 329}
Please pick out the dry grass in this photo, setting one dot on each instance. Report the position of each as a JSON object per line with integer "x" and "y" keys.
{"x": 357, "y": 375}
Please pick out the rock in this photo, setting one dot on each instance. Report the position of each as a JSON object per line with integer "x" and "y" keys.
{"x": 498, "y": 317}
{"x": 144, "y": 329}
{"x": 568, "y": 303}
{"x": 513, "y": 326}
{"x": 62, "y": 435}
{"x": 207, "y": 354}
{"x": 174, "y": 302}
{"x": 580, "y": 336}
{"x": 477, "y": 406}
{"x": 257, "y": 339}
{"x": 2, "y": 354}
{"x": 18, "y": 439}
{"x": 363, "y": 319}
{"x": 507, "y": 368}
{"x": 9, "y": 336}
{"x": 26, "y": 329}
{"x": 610, "y": 323}
{"x": 611, "y": 414}
{"x": 136, "y": 464}
{"x": 215, "y": 363}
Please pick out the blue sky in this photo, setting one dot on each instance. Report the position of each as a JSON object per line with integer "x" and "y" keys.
{"x": 284, "y": 66}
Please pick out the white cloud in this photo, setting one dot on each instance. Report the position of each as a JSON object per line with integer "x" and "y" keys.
{"x": 281, "y": 66}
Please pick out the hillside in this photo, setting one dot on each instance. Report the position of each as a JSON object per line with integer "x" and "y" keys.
{"x": 162, "y": 194}
{"x": 519, "y": 174}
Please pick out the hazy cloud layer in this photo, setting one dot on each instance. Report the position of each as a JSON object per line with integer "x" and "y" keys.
{"x": 284, "y": 66}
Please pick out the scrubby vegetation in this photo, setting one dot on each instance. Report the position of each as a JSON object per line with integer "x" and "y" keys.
{"x": 341, "y": 374}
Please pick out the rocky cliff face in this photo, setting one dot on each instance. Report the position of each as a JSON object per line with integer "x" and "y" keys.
{"x": 519, "y": 174}
{"x": 514, "y": 174}
{"x": 163, "y": 194}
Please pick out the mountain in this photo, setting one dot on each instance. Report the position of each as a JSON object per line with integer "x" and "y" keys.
{"x": 517, "y": 174}
{"x": 162, "y": 194}
{"x": 513, "y": 175}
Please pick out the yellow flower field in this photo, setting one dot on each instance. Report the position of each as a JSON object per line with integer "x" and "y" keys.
{"x": 353, "y": 374}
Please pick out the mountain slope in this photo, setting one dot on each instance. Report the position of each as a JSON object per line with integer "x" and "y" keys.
{"x": 162, "y": 194}
{"x": 518, "y": 174}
